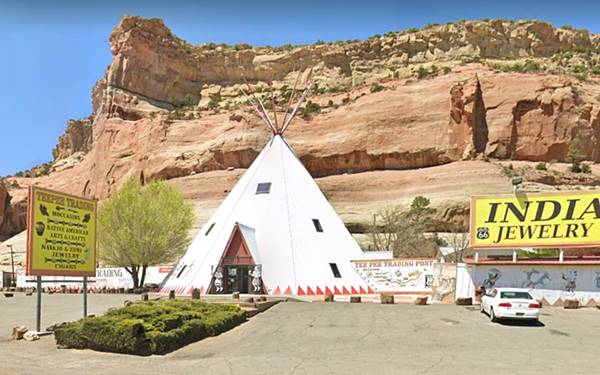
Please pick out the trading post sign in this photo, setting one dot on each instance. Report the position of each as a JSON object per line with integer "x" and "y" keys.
{"x": 61, "y": 234}
{"x": 558, "y": 219}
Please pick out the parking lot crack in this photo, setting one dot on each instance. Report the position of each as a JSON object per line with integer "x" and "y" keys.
{"x": 432, "y": 366}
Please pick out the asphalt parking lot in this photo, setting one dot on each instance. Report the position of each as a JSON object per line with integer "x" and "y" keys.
{"x": 322, "y": 338}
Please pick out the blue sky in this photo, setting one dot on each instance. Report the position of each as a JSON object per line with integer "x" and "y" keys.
{"x": 53, "y": 52}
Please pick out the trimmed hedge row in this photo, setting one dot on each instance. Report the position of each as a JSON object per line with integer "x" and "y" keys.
{"x": 156, "y": 327}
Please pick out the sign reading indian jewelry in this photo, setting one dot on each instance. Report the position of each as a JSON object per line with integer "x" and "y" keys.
{"x": 564, "y": 219}
{"x": 61, "y": 234}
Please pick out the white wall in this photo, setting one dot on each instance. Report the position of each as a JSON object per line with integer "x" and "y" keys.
{"x": 552, "y": 282}
{"x": 464, "y": 281}
{"x": 105, "y": 277}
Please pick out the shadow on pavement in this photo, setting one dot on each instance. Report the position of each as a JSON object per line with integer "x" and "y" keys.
{"x": 521, "y": 323}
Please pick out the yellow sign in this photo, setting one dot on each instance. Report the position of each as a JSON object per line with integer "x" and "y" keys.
{"x": 61, "y": 234}
{"x": 562, "y": 219}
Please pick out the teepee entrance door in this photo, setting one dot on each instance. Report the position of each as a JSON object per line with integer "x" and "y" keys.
{"x": 238, "y": 263}
{"x": 237, "y": 279}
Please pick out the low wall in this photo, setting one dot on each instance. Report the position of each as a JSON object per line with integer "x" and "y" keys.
{"x": 549, "y": 283}
{"x": 109, "y": 278}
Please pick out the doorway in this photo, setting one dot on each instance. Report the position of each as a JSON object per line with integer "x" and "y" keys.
{"x": 238, "y": 279}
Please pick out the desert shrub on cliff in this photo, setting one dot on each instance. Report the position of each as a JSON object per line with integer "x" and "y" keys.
{"x": 188, "y": 100}
{"x": 377, "y": 88}
{"x": 242, "y": 46}
{"x": 541, "y": 166}
{"x": 585, "y": 168}
{"x": 402, "y": 231}
{"x": 310, "y": 108}
{"x": 529, "y": 66}
{"x": 508, "y": 170}
{"x": 213, "y": 104}
{"x": 575, "y": 156}
{"x": 177, "y": 114}
{"x": 423, "y": 72}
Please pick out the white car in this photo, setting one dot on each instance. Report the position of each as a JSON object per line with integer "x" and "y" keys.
{"x": 510, "y": 303}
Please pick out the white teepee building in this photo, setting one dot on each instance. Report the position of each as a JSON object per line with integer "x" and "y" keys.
{"x": 275, "y": 233}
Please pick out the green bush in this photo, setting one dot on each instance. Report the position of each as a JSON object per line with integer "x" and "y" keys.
{"x": 541, "y": 166}
{"x": 422, "y": 72}
{"x": 529, "y": 66}
{"x": 377, "y": 87}
{"x": 151, "y": 327}
{"x": 311, "y": 107}
{"x": 585, "y": 168}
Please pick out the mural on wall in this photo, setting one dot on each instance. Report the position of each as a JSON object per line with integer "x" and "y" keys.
{"x": 535, "y": 278}
{"x": 397, "y": 275}
{"x": 493, "y": 275}
{"x": 570, "y": 278}
{"x": 552, "y": 283}
{"x": 444, "y": 282}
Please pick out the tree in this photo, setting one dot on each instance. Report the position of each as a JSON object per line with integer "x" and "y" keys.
{"x": 403, "y": 231}
{"x": 575, "y": 155}
{"x": 143, "y": 226}
{"x": 458, "y": 240}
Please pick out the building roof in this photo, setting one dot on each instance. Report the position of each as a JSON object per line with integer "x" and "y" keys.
{"x": 567, "y": 260}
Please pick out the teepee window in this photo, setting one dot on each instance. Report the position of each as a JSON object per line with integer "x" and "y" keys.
{"x": 180, "y": 272}
{"x": 317, "y": 225}
{"x": 209, "y": 229}
{"x": 263, "y": 188}
{"x": 335, "y": 270}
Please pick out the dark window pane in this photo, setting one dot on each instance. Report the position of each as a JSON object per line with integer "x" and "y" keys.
{"x": 209, "y": 229}
{"x": 335, "y": 270}
{"x": 263, "y": 188}
{"x": 180, "y": 272}
{"x": 317, "y": 225}
{"x": 515, "y": 295}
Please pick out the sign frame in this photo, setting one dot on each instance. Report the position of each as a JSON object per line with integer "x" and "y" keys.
{"x": 30, "y": 271}
{"x": 472, "y": 222}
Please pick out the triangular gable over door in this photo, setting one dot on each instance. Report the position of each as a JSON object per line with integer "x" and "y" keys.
{"x": 237, "y": 251}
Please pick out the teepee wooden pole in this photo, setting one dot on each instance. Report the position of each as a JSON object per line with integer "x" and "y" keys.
{"x": 289, "y": 104}
{"x": 260, "y": 114}
{"x": 274, "y": 108}
{"x": 260, "y": 108}
{"x": 304, "y": 95}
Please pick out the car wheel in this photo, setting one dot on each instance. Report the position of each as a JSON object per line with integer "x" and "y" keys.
{"x": 492, "y": 315}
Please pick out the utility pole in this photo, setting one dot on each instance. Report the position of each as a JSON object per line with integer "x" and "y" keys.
{"x": 13, "y": 278}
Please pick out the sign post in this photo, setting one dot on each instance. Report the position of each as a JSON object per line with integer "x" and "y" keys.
{"x": 61, "y": 239}
{"x": 85, "y": 296}
{"x": 38, "y": 311}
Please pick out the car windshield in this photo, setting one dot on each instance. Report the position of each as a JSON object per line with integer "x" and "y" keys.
{"x": 515, "y": 295}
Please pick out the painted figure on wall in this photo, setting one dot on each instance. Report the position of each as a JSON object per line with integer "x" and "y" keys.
{"x": 256, "y": 282}
{"x": 535, "y": 278}
{"x": 218, "y": 280}
{"x": 570, "y": 278}
{"x": 493, "y": 275}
